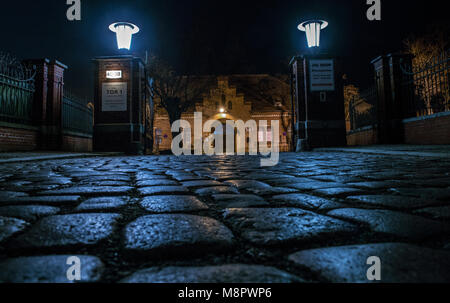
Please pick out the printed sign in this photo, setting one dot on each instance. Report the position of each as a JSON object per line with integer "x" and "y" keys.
{"x": 114, "y": 97}
{"x": 321, "y": 75}
{"x": 113, "y": 74}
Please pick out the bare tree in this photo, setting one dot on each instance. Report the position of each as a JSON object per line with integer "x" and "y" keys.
{"x": 351, "y": 93}
{"x": 13, "y": 67}
{"x": 425, "y": 47}
{"x": 430, "y": 68}
{"x": 174, "y": 92}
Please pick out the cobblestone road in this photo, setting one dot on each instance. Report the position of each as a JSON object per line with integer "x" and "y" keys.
{"x": 314, "y": 217}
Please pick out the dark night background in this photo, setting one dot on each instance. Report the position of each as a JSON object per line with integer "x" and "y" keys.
{"x": 221, "y": 37}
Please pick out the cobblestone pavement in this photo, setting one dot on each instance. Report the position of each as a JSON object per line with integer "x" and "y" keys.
{"x": 314, "y": 217}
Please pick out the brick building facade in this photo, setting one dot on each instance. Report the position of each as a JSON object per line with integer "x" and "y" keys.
{"x": 237, "y": 97}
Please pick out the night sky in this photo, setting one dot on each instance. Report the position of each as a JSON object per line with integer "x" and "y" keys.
{"x": 214, "y": 37}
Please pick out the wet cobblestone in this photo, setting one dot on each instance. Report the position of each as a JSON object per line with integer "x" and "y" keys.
{"x": 314, "y": 217}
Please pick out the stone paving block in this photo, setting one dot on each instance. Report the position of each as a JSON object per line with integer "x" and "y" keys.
{"x": 58, "y": 181}
{"x": 102, "y": 177}
{"x": 110, "y": 183}
{"x": 338, "y": 191}
{"x": 248, "y": 184}
{"x": 440, "y": 212}
{"x": 435, "y": 182}
{"x": 156, "y": 182}
{"x": 201, "y": 183}
{"x": 222, "y": 176}
{"x": 374, "y": 184}
{"x": 308, "y": 202}
{"x": 426, "y": 193}
{"x": 167, "y": 204}
{"x": 49, "y": 200}
{"x": 8, "y": 195}
{"x": 102, "y": 203}
{"x": 208, "y": 191}
{"x": 228, "y": 273}
{"x": 90, "y": 174}
{"x": 89, "y": 190}
{"x": 67, "y": 230}
{"x": 10, "y": 226}
{"x": 182, "y": 178}
{"x": 385, "y": 175}
{"x": 391, "y": 201}
{"x": 238, "y": 201}
{"x": 400, "y": 263}
{"x": 142, "y": 176}
{"x": 177, "y": 234}
{"x": 28, "y": 212}
{"x": 272, "y": 191}
{"x": 277, "y": 182}
{"x": 314, "y": 185}
{"x": 336, "y": 178}
{"x": 271, "y": 226}
{"x": 48, "y": 269}
{"x": 394, "y": 223}
{"x": 158, "y": 190}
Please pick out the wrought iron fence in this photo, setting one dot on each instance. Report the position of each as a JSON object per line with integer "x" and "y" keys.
{"x": 16, "y": 91}
{"x": 363, "y": 109}
{"x": 425, "y": 90}
{"x": 77, "y": 117}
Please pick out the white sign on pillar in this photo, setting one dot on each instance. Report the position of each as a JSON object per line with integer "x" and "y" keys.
{"x": 114, "y": 97}
{"x": 321, "y": 75}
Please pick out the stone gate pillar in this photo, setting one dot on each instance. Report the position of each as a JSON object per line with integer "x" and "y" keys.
{"x": 53, "y": 127}
{"x": 318, "y": 95}
{"x": 121, "y": 100}
{"x": 40, "y": 89}
{"x": 391, "y": 96}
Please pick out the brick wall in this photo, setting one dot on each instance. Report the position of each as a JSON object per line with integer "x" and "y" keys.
{"x": 164, "y": 137}
{"x": 76, "y": 144}
{"x": 433, "y": 129}
{"x": 365, "y": 136}
{"x": 427, "y": 130}
{"x": 14, "y": 139}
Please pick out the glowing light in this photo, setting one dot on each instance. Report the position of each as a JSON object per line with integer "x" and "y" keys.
{"x": 124, "y": 32}
{"x": 222, "y": 110}
{"x": 223, "y": 115}
{"x": 312, "y": 29}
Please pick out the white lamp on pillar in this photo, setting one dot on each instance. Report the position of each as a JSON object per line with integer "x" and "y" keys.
{"x": 124, "y": 32}
{"x": 312, "y": 29}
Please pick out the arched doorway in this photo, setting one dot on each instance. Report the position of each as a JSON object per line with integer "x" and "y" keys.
{"x": 226, "y": 132}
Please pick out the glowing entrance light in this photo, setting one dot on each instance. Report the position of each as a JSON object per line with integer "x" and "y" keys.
{"x": 124, "y": 32}
{"x": 312, "y": 29}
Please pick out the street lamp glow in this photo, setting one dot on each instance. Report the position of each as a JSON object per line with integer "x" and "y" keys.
{"x": 312, "y": 29}
{"x": 124, "y": 32}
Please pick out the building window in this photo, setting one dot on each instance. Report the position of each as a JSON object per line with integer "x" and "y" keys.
{"x": 158, "y": 135}
{"x": 267, "y": 138}
{"x": 223, "y": 99}
{"x": 230, "y": 105}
